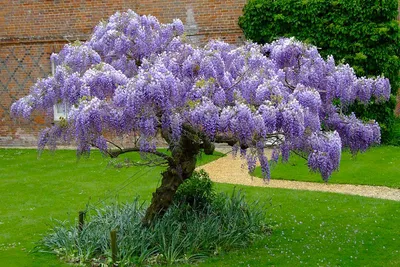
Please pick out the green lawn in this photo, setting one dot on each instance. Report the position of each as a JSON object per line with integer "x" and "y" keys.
{"x": 321, "y": 229}
{"x": 309, "y": 227}
{"x": 378, "y": 166}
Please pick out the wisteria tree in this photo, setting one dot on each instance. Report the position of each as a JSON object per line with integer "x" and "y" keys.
{"x": 140, "y": 77}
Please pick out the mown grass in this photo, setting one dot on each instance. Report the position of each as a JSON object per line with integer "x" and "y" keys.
{"x": 321, "y": 229}
{"x": 377, "y": 166}
{"x": 310, "y": 228}
{"x": 57, "y": 185}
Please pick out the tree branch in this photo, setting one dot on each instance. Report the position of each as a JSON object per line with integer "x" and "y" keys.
{"x": 225, "y": 139}
{"x": 116, "y": 153}
{"x": 114, "y": 144}
{"x": 149, "y": 163}
{"x": 105, "y": 151}
{"x": 239, "y": 80}
{"x": 231, "y": 140}
{"x": 300, "y": 155}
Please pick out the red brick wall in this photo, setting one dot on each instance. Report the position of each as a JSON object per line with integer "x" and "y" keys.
{"x": 31, "y": 30}
{"x": 20, "y": 65}
{"x": 204, "y": 18}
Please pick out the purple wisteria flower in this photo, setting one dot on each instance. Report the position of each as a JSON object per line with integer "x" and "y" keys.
{"x": 136, "y": 75}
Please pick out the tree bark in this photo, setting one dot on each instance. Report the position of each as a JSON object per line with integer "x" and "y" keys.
{"x": 184, "y": 162}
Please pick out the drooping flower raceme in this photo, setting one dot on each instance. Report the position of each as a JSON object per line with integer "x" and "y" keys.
{"x": 136, "y": 75}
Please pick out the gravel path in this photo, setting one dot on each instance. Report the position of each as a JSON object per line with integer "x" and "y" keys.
{"x": 229, "y": 170}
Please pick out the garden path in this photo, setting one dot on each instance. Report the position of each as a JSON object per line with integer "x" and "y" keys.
{"x": 230, "y": 170}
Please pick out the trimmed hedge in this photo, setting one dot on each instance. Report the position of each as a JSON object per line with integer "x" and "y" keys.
{"x": 362, "y": 33}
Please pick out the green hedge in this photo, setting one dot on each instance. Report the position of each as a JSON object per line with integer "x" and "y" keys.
{"x": 362, "y": 33}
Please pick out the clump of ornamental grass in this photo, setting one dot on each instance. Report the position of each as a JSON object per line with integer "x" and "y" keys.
{"x": 208, "y": 224}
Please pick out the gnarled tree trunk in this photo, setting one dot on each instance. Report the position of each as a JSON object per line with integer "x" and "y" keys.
{"x": 184, "y": 156}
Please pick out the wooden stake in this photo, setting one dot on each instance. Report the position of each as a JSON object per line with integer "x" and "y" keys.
{"x": 81, "y": 221}
{"x": 113, "y": 235}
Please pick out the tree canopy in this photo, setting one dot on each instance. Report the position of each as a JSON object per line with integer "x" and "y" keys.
{"x": 136, "y": 75}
